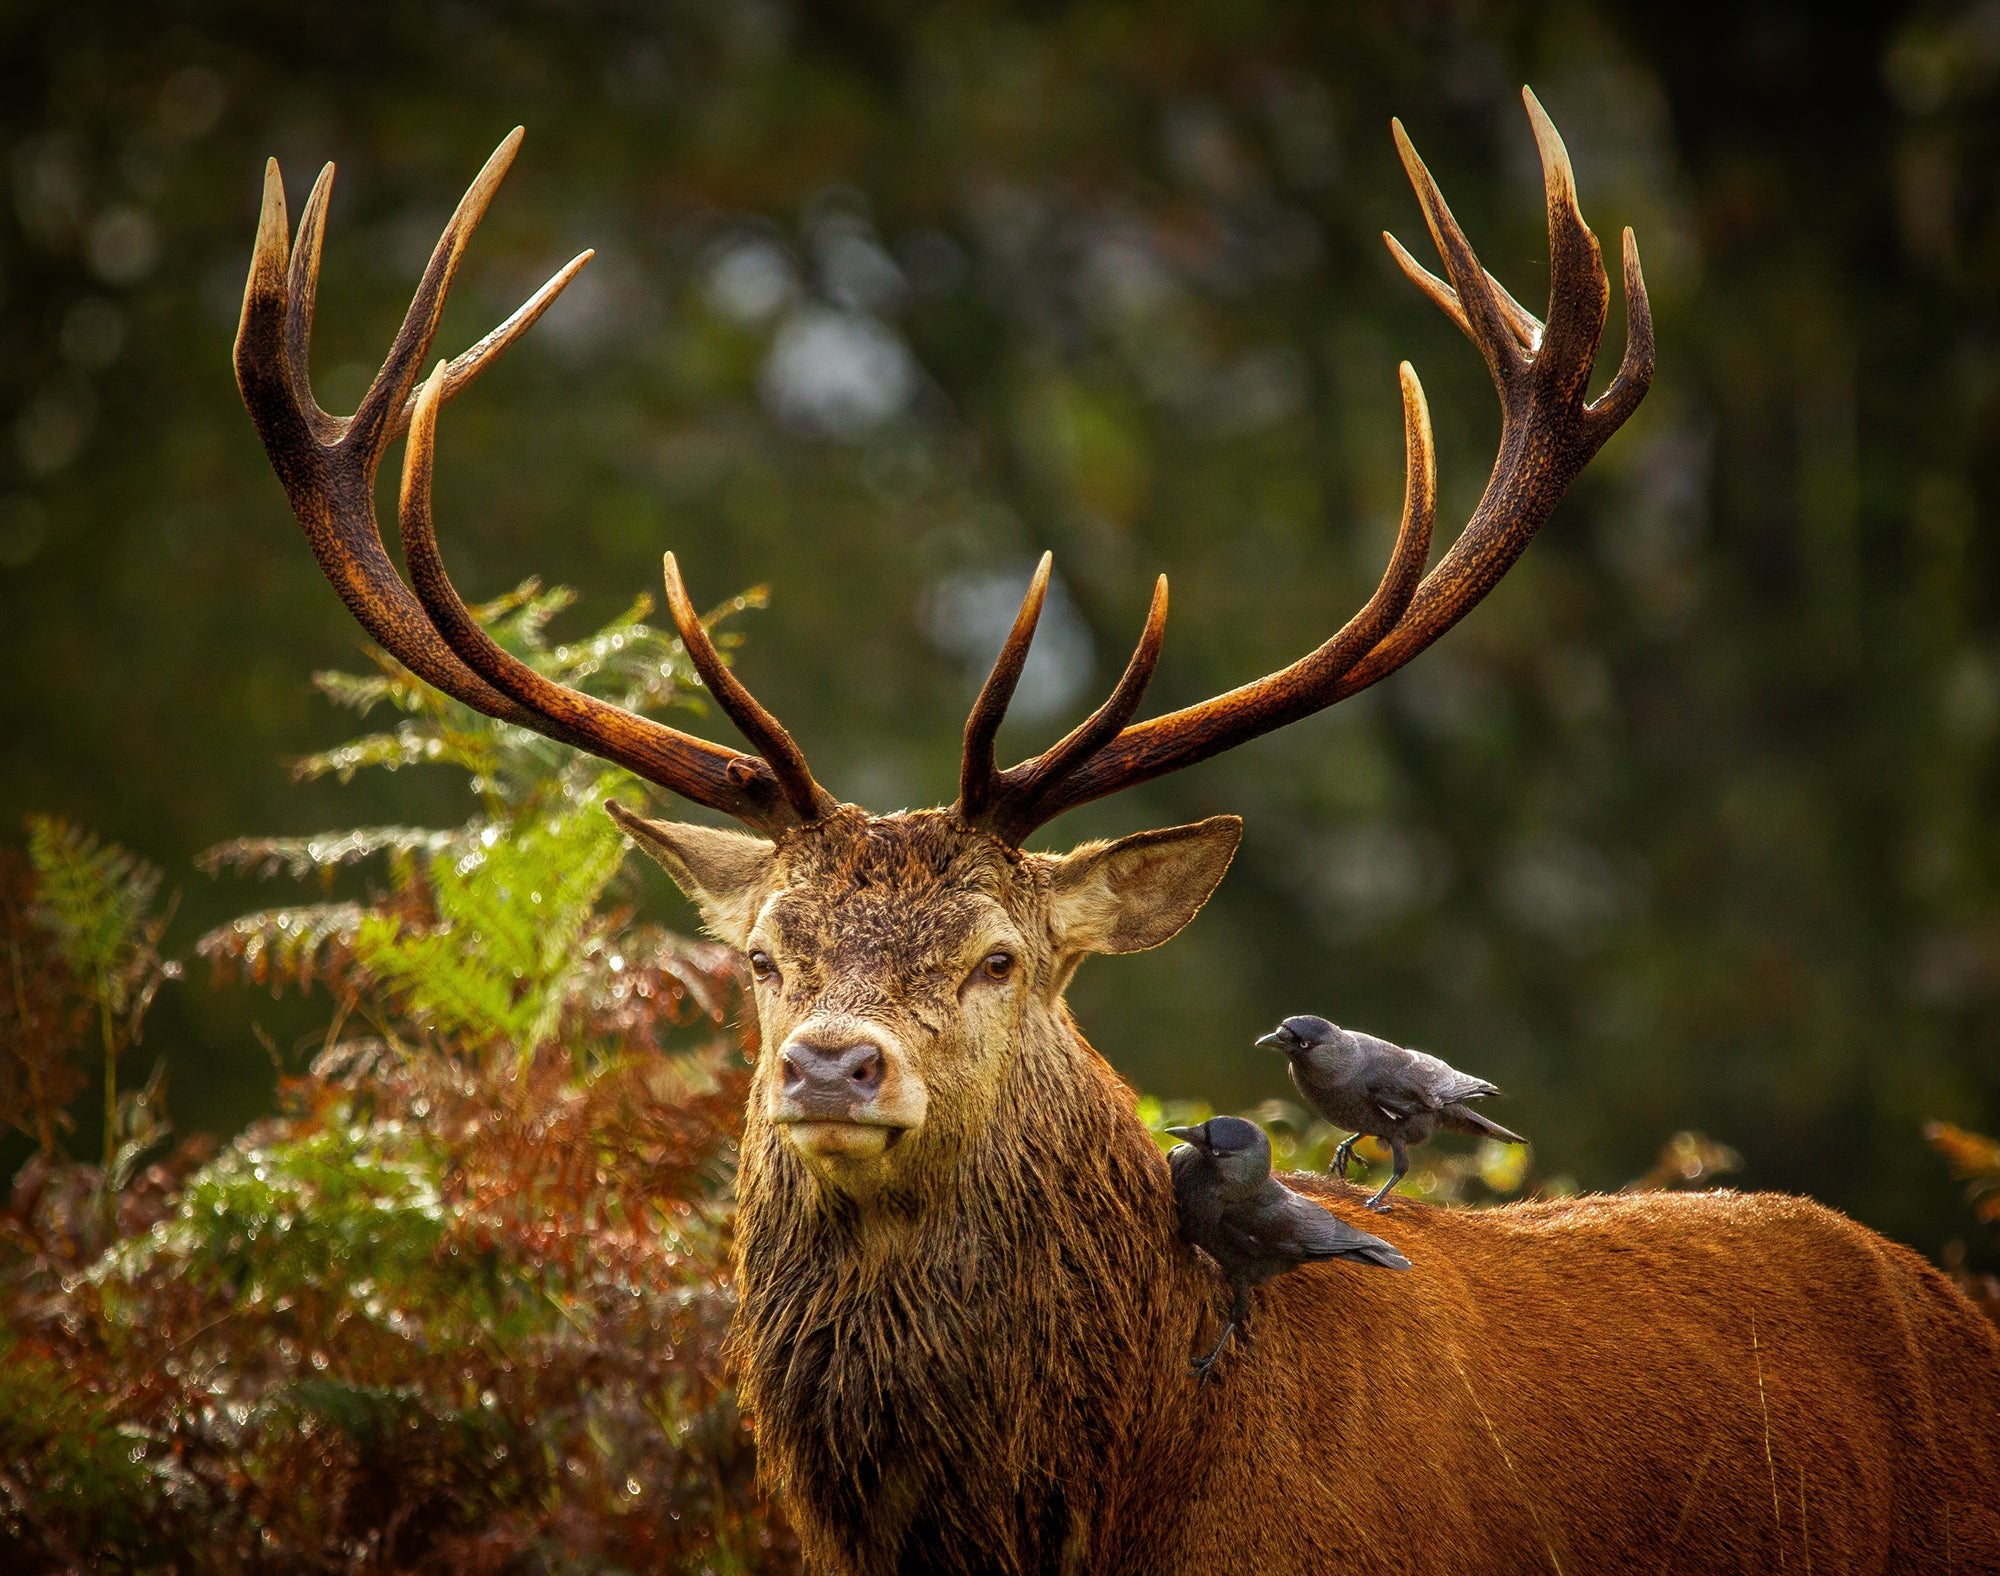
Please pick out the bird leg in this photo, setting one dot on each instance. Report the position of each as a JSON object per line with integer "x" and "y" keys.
{"x": 1239, "y": 1313}
{"x": 1342, "y": 1155}
{"x": 1204, "y": 1366}
{"x": 1402, "y": 1154}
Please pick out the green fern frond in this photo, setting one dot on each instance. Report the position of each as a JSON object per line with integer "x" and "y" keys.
{"x": 413, "y": 743}
{"x": 390, "y": 682}
{"x": 98, "y": 899}
{"x": 497, "y": 963}
{"x": 65, "y": 1443}
{"x": 519, "y": 619}
{"x": 323, "y": 853}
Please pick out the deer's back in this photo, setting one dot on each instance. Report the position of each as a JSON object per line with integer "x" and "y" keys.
{"x": 1663, "y": 1381}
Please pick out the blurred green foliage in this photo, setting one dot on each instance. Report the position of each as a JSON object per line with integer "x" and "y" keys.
{"x": 1689, "y": 826}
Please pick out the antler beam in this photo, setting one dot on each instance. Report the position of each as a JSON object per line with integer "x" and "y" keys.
{"x": 1548, "y": 433}
{"x": 328, "y": 463}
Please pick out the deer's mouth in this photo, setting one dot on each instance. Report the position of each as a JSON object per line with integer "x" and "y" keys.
{"x": 837, "y": 1141}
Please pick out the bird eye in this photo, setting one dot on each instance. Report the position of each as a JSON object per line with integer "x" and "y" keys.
{"x": 997, "y": 965}
{"x": 762, "y": 967}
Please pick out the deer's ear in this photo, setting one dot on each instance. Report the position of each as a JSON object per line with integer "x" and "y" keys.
{"x": 721, "y": 872}
{"x": 1139, "y": 891}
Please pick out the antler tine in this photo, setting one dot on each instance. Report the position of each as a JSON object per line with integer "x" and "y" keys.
{"x": 265, "y": 293}
{"x": 301, "y": 292}
{"x": 1579, "y": 294}
{"x": 1473, "y": 305}
{"x": 390, "y": 391}
{"x": 467, "y": 365}
{"x": 1523, "y": 324}
{"x": 1012, "y": 811}
{"x": 763, "y": 730}
{"x": 1105, "y": 723}
{"x": 707, "y": 773}
{"x": 977, "y": 772}
{"x": 1635, "y": 367}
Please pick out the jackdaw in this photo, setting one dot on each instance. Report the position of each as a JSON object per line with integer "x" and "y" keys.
{"x": 1369, "y": 1086}
{"x": 1249, "y": 1222}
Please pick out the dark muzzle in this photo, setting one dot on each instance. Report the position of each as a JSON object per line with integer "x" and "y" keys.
{"x": 830, "y": 1083}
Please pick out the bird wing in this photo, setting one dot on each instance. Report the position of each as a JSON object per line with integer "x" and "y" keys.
{"x": 1398, "y": 1085}
{"x": 1446, "y": 1085}
{"x": 1196, "y": 1206}
{"x": 1294, "y": 1225}
{"x": 1237, "y": 1243}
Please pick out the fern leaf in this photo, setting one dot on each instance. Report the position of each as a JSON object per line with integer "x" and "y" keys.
{"x": 43, "y": 1016}
{"x": 499, "y": 962}
{"x": 98, "y": 899}
{"x": 520, "y": 619}
{"x": 412, "y": 743}
{"x": 285, "y": 946}
{"x": 324, "y": 852}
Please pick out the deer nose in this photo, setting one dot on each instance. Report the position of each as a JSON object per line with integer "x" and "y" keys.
{"x": 829, "y": 1083}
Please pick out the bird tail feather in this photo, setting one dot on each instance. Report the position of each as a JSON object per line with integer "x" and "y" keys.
{"x": 1467, "y": 1120}
{"x": 1337, "y": 1240}
{"x": 1377, "y": 1252}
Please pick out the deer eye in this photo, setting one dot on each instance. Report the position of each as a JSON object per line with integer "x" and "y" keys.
{"x": 761, "y": 966}
{"x": 997, "y": 965}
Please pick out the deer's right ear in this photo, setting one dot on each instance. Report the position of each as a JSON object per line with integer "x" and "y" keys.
{"x": 721, "y": 872}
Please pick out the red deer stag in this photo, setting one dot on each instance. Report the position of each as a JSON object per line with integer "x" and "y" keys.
{"x": 965, "y": 1319}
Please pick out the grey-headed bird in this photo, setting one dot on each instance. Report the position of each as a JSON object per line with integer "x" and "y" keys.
{"x": 1371, "y": 1087}
{"x": 1249, "y": 1222}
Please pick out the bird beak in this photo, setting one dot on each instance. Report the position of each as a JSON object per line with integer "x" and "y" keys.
{"x": 1184, "y": 1134}
{"x": 1275, "y": 1040}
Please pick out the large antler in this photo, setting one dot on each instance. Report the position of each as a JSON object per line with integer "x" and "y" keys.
{"x": 328, "y": 463}
{"x": 1547, "y": 435}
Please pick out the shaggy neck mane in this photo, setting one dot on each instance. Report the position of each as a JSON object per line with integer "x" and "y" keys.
{"x": 937, "y": 1383}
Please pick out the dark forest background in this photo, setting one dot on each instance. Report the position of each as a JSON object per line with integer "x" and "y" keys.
{"x": 1690, "y": 826}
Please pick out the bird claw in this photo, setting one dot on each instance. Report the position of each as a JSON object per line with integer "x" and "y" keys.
{"x": 1204, "y": 1366}
{"x": 1379, "y": 1205}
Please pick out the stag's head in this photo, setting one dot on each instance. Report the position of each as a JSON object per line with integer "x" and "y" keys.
{"x": 907, "y": 966}
{"x": 903, "y": 964}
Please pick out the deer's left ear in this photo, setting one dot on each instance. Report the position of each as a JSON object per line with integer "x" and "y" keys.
{"x": 1139, "y": 891}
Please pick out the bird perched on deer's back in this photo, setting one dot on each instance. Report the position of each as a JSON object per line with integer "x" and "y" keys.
{"x": 1249, "y": 1222}
{"x": 1372, "y": 1087}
